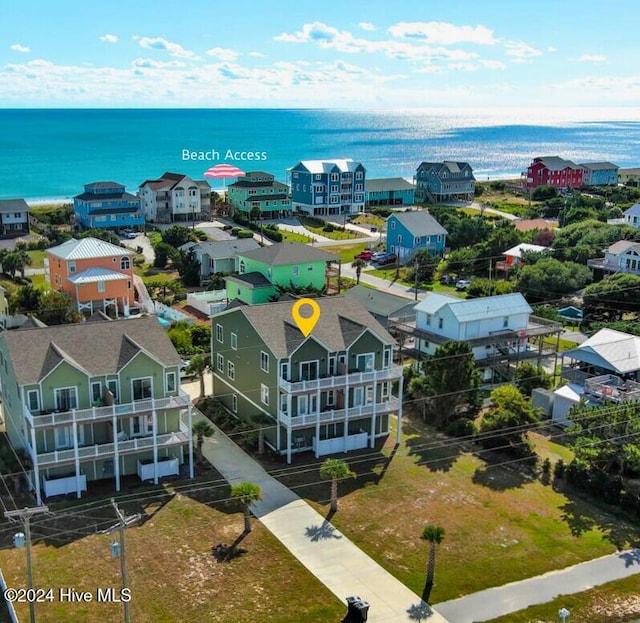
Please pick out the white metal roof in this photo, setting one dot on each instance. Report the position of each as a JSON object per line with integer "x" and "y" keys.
{"x": 609, "y": 349}
{"x": 87, "y": 248}
{"x": 93, "y": 275}
{"x": 523, "y": 247}
{"x": 468, "y": 310}
{"x": 325, "y": 166}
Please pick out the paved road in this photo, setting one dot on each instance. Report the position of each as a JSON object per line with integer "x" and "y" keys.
{"x": 502, "y": 600}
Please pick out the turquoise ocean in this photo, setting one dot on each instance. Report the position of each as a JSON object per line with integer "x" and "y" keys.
{"x": 52, "y": 153}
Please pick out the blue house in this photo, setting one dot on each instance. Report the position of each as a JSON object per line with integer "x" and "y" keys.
{"x": 323, "y": 187}
{"x": 599, "y": 173}
{"x": 408, "y": 232}
{"x": 389, "y": 191}
{"x": 441, "y": 182}
{"x": 106, "y": 205}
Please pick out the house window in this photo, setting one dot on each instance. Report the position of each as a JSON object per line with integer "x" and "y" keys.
{"x": 219, "y": 334}
{"x": 284, "y": 370}
{"x": 284, "y": 403}
{"x": 310, "y": 267}
{"x": 428, "y": 319}
{"x": 141, "y": 425}
{"x": 234, "y": 341}
{"x": 264, "y": 393}
{"x": 366, "y": 362}
{"x": 439, "y": 237}
{"x": 63, "y": 437}
{"x": 332, "y": 365}
{"x": 385, "y": 390}
{"x": 100, "y": 286}
{"x": 125, "y": 263}
{"x": 71, "y": 267}
{"x": 170, "y": 382}
{"x": 309, "y": 370}
{"x": 33, "y": 400}
{"x": 331, "y": 398}
{"x": 241, "y": 267}
{"x": 112, "y": 386}
{"x": 334, "y": 177}
{"x": 234, "y": 403}
{"x": 96, "y": 392}
{"x": 440, "y": 323}
{"x": 505, "y": 321}
{"x": 142, "y": 388}
{"x": 66, "y": 398}
{"x": 231, "y": 370}
{"x": 387, "y": 358}
{"x": 295, "y": 271}
{"x": 264, "y": 361}
{"x": 220, "y": 362}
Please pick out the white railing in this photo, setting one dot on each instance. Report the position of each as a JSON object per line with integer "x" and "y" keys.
{"x": 391, "y": 373}
{"x": 40, "y": 419}
{"x": 107, "y": 450}
{"x": 166, "y": 466}
{"x": 62, "y": 486}
{"x": 339, "y": 415}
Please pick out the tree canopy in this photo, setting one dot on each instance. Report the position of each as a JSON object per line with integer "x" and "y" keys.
{"x": 610, "y": 298}
{"x": 551, "y": 278}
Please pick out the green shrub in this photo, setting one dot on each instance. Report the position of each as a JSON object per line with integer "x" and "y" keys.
{"x": 244, "y": 233}
{"x": 462, "y": 427}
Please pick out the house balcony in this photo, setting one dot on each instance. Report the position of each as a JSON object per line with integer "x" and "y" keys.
{"x": 600, "y": 263}
{"x": 612, "y": 388}
{"x": 329, "y": 416}
{"x": 392, "y": 373}
{"x": 44, "y": 419}
{"x": 109, "y": 450}
{"x": 575, "y": 375}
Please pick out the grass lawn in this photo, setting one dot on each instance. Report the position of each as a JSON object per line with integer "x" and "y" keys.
{"x": 616, "y": 602}
{"x": 500, "y": 526}
{"x": 370, "y": 219}
{"x": 290, "y": 236}
{"x": 173, "y": 575}
{"x": 346, "y": 251}
{"x": 37, "y": 258}
{"x": 319, "y": 231}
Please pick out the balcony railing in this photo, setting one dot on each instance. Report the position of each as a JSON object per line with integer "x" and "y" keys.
{"x": 391, "y": 373}
{"x": 612, "y": 388}
{"x": 339, "y": 415}
{"x": 40, "y": 419}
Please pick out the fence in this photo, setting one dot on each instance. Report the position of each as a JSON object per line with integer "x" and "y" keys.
{"x": 8, "y": 605}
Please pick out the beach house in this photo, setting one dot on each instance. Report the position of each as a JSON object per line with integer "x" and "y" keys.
{"x": 175, "y": 198}
{"x": 553, "y": 171}
{"x": 93, "y": 401}
{"x": 220, "y": 256}
{"x": 409, "y": 232}
{"x": 632, "y": 216}
{"x": 389, "y": 191}
{"x": 629, "y": 176}
{"x": 622, "y": 256}
{"x": 107, "y": 205}
{"x": 259, "y": 193}
{"x": 329, "y": 392}
{"x": 327, "y": 187}
{"x": 442, "y": 182}
{"x": 599, "y": 173}
{"x": 14, "y": 218}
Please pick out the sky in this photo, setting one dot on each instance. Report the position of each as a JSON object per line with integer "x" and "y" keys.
{"x": 364, "y": 54}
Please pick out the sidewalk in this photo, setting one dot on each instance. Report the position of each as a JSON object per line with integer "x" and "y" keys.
{"x": 341, "y": 566}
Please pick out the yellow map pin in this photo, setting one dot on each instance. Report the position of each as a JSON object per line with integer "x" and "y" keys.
{"x": 306, "y": 324}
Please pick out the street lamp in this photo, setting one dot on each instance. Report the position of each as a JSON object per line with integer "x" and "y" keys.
{"x": 563, "y": 613}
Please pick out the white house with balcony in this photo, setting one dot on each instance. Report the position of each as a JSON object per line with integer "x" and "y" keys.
{"x": 329, "y": 392}
{"x": 621, "y": 257}
{"x": 93, "y": 401}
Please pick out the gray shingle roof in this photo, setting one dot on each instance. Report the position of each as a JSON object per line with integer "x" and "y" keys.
{"x": 284, "y": 253}
{"x": 98, "y": 347}
{"x": 255, "y": 280}
{"x": 420, "y": 223}
{"x": 386, "y": 184}
{"x": 599, "y": 166}
{"x": 222, "y": 248}
{"x": 378, "y": 302}
{"x": 555, "y": 163}
{"x": 13, "y": 205}
{"x": 341, "y": 322}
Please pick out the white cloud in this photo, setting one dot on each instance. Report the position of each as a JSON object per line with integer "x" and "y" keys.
{"x": 552, "y": 49}
{"x": 492, "y": 64}
{"x": 590, "y": 58}
{"x": 109, "y": 38}
{"x": 366, "y": 26}
{"x": 256, "y": 54}
{"x": 148, "y": 63}
{"x": 521, "y": 50}
{"x": 443, "y": 33}
{"x": 16, "y": 47}
{"x": 224, "y": 54}
{"x": 462, "y": 66}
{"x": 160, "y": 43}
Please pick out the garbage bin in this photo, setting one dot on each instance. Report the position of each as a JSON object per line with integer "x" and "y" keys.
{"x": 357, "y": 610}
{"x": 362, "y": 608}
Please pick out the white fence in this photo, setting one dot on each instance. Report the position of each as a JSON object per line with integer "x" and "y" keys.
{"x": 170, "y": 314}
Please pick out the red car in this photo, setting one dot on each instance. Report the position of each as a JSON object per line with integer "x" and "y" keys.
{"x": 364, "y": 255}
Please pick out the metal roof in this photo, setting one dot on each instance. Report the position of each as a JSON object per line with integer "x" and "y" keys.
{"x": 385, "y": 184}
{"x": 419, "y": 223}
{"x": 599, "y": 166}
{"x": 609, "y": 349}
{"x": 379, "y": 302}
{"x": 468, "y": 310}
{"x": 634, "y": 210}
{"x": 524, "y": 247}
{"x": 326, "y": 166}
{"x": 87, "y": 248}
{"x": 95, "y": 274}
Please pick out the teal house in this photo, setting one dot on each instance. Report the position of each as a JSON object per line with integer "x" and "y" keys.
{"x": 99, "y": 400}
{"x": 409, "y": 232}
{"x": 330, "y": 392}
{"x": 260, "y": 192}
{"x": 288, "y": 265}
{"x": 389, "y": 191}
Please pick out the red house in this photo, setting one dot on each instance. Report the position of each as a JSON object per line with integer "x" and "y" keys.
{"x": 553, "y": 171}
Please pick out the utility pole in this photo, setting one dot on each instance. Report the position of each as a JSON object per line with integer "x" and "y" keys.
{"x": 21, "y": 539}
{"x": 415, "y": 282}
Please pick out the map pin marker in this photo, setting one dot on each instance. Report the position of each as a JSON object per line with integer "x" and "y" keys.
{"x": 306, "y": 324}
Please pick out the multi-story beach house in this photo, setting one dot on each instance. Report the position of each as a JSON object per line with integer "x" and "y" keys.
{"x": 629, "y": 177}
{"x": 327, "y": 187}
{"x": 107, "y": 205}
{"x": 409, "y": 232}
{"x": 499, "y": 329}
{"x": 553, "y": 171}
{"x": 442, "y": 182}
{"x": 620, "y": 257}
{"x": 93, "y": 401}
{"x": 329, "y": 392}
{"x": 14, "y": 218}
{"x": 175, "y": 198}
{"x": 96, "y": 274}
{"x": 286, "y": 264}
{"x": 220, "y": 256}
{"x": 389, "y": 191}
{"x": 599, "y": 173}
{"x": 259, "y": 192}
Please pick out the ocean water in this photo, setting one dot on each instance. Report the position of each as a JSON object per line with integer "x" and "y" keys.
{"x": 52, "y": 153}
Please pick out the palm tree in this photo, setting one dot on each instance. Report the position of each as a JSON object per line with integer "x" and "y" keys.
{"x": 198, "y": 366}
{"x": 262, "y": 420}
{"x": 23, "y": 259}
{"x": 335, "y": 469}
{"x": 435, "y": 536}
{"x": 358, "y": 264}
{"x": 246, "y": 493}
{"x": 201, "y": 429}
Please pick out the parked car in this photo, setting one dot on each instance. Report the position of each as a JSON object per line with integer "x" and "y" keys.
{"x": 385, "y": 258}
{"x": 131, "y": 235}
{"x": 366, "y": 255}
{"x": 462, "y": 284}
{"x": 447, "y": 280}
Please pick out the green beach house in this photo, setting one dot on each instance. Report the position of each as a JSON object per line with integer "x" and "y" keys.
{"x": 332, "y": 391}
{"x": 96, "y": 400}
{"x": 287, "y": 264}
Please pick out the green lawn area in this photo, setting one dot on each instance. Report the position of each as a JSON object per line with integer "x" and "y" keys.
{"x": 290, "y": 236}
{"x": 346, "y": 251}
{"x": 37, "y": 258}
{"x": 319, "y": 231}
{"x": 615, "y": 602}
{"x": 370, "y": 219}
{"x": 173, "y": 575}
{"x": 500, "y": 526}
